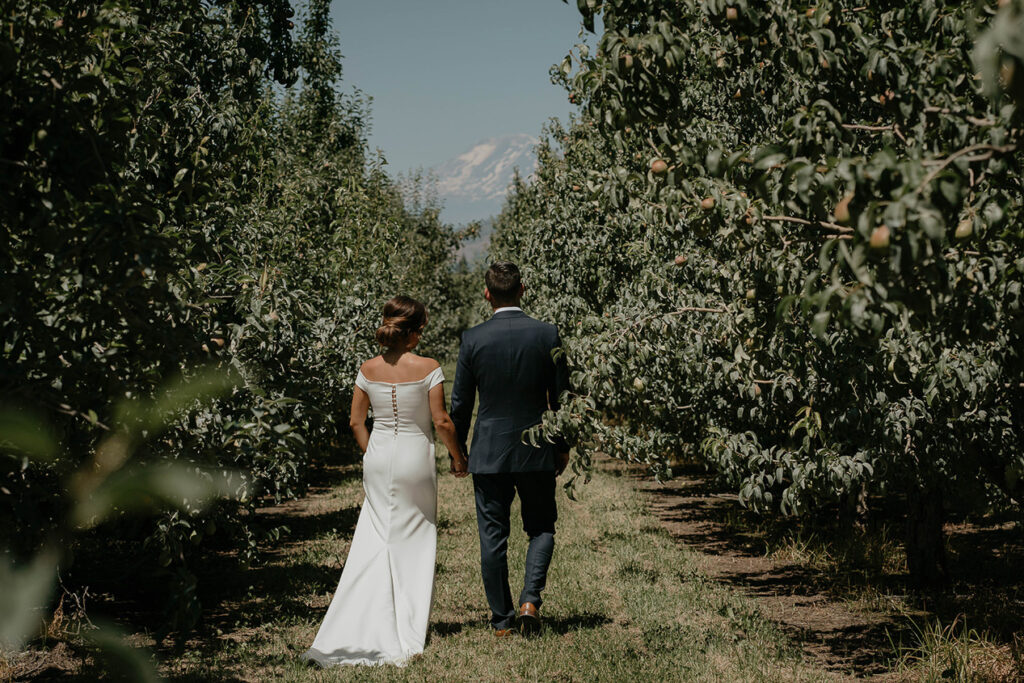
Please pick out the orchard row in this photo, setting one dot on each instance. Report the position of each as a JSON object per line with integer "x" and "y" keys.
{"x": 786, "y": 240}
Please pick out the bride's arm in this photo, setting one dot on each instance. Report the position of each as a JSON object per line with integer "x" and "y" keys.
{"x": 357, "y": 421}
{"x": 446, "y": 430}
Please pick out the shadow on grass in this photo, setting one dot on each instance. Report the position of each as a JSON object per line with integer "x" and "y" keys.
{"x": 819, "y": 575}
{"x": 277, "y": 589}
{"x": 301, "y": 528}
{"x": 575, "y": 622}
{"x": 235, "y": 597}
{"x": 559, "y": 625}
{"x": 444, "y": 629}
{"x": 124, "y": 586}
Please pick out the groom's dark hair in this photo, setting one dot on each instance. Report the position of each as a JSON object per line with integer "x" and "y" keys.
{"x": 503, "y": 282}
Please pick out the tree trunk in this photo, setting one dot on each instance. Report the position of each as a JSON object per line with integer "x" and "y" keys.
{"x": 853, "y": 510}
{"x": 925, "y": 541}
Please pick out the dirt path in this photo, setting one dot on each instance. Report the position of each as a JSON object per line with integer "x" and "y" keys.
{"x": 836, "y": 636}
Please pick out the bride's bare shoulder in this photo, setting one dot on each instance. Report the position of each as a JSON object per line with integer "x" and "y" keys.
{"x": 426, "y": 364}
{"x": 371, "y": 364}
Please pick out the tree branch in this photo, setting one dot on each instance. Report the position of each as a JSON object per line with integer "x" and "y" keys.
{"x": 803, "y": 221}
{"x": 989, "y": 152}
{"x": 895, "y": 128}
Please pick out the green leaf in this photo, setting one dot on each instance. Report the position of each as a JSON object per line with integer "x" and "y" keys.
{"x": 820, "y": 323}
{"x": 24, "y": 594}
{"x": 149, "y": 486}
{"x": 25, "y": 435}
{"x": 175, "y": 396}
{"x": 120, "y": 659}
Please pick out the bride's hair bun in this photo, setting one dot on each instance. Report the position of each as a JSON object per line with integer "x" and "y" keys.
{"x": 403, "y": 315}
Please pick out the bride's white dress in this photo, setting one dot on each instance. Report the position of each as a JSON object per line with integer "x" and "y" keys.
{"x": 380, "y": 610}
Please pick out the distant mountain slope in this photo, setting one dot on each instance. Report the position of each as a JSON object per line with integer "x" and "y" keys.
{"x": 475, "y": 250}
{"x": 473, "y": 185}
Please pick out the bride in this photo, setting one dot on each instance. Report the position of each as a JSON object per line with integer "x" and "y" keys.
{"x": 380, "y": 610}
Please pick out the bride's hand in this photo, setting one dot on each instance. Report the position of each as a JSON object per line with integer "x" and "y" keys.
{"x": 459, "y": 465}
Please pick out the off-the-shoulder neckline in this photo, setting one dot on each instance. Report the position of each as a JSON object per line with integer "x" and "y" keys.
{"x": 415, "y": 381}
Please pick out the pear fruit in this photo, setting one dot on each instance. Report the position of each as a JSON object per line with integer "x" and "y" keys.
{"x": 880, "y": 237}
{"x": 842, "y": 210}
{"x": 964, "y": 229}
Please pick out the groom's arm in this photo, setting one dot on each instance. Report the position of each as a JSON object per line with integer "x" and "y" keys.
{"x": 557, "y": 385}
{"x": 560, "y": 378}
{"x": 463, "y": 395}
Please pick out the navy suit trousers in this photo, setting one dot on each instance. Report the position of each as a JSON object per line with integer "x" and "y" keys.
{"x": 494, "y": 495}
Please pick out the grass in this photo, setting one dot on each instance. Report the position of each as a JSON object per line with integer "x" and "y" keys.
{"x": 864, "y": 553}
{"x": 866, "y": 570}
{"x": 624, "y": 602}
{"x": 925, "y": 647}
{"x": 938, "y": 652}
{"x": 871, "y": 554}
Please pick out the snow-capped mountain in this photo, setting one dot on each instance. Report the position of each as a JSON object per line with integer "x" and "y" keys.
{"x": 473, "y": 185}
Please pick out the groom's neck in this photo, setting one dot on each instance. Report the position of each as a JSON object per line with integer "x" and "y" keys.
{"x": 514, "y": 304}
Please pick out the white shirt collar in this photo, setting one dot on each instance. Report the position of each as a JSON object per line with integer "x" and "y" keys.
{"x": 508, "y": 308}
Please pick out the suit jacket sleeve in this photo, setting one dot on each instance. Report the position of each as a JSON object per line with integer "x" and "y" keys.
{"x": 559, "y": 384}
{"x": 463, "y": 395}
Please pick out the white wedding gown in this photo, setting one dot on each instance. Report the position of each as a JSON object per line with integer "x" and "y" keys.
{"x": 380, "y": 610}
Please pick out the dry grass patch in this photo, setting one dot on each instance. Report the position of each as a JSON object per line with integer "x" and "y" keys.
{"x": 954, "y": 651}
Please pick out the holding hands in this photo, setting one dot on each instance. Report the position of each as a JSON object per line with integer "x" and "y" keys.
{"x": 459, "y": 465}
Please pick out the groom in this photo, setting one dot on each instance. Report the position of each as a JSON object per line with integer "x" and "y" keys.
{"x": 508, "y": 361}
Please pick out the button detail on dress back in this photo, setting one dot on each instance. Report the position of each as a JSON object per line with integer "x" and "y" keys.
{"x": 394, "y": 405}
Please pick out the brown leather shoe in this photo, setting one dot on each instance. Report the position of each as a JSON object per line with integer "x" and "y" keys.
{"x": 502, "y": 632}
{"x": 529, "y": 619}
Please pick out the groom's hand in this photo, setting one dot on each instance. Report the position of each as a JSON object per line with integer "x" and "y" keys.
{"x": 561, "y": 462}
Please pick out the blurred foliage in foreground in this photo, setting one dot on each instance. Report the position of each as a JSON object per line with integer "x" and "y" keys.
{"x": 107, "y": 484}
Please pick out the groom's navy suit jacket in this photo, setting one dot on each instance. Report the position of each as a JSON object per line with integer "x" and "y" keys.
{"x": 508, "y": 360}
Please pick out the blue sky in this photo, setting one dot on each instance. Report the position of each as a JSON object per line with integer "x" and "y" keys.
{"x": 445, "y": 74}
